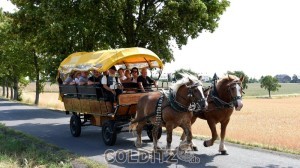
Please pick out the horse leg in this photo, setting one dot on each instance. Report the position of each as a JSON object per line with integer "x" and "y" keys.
{"x": 169, "y": 129}
{"x": 139, "y": 129}
{"x": 214, "y": 134}
{"x": 183, "y": 135}
{"x": 188, "y": 144}
{"x": 222, "y": 147}
{"x": 154, "y": 135}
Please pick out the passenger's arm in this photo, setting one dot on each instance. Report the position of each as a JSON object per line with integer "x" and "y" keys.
{"x": 140, "y": 84}
{"x": 109, "y": 89}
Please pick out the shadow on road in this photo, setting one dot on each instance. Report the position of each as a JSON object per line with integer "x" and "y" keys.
{"x": 28, "y": 114}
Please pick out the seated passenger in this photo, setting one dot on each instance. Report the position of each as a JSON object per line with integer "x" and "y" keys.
{"x": 95, "y": 79}
{"x": 122, "y": 76}
{"x": 70, "y": 79}
{"x": 112, "y": 85}
{"x": 83, "y": 80}
{"x": 135, "y": 74}
{"x": 76, "y": 79}
{"x": 127, "y": 74}
{"x": 145, "y": 82}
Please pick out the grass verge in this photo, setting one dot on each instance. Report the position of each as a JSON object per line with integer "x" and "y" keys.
{"x": 20, "y": 150}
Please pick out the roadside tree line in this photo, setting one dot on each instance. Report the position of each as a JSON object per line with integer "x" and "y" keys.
{"x": 40, "y": 34}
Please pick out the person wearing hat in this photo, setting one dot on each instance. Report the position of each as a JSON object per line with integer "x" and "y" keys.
{"x": 112, "y": 85}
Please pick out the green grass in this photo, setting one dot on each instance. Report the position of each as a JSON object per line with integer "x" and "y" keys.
{"x": 254, "y": 89}
{"x": 20, "y": 150}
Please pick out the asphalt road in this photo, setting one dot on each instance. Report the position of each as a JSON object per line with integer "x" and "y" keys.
{"x": 53, "y": 127}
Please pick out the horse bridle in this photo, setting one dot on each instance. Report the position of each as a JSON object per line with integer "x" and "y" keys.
{"x": 221, "y": 103}
{"x": 235, "y": 98}
{"x": 195, "y": 102}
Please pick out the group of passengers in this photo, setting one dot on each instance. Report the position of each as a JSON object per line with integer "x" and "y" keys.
{"x": 109, "y": 80}
{"x": 113, "y": 84}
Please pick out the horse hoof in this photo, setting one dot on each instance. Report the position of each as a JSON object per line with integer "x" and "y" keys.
{"x": 137, "y": 145}
{"x": 224, "y": 153}
{"x": 157, "y": 149}
{"x": 204, "y": 144}
{"x": 195, "y": 148}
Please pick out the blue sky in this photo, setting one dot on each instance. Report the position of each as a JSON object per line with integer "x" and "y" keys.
{"x": 259, "y": 37}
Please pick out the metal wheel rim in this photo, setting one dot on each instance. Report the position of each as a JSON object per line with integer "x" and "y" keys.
{"x": 107, "y": 134}
{"x": 73, "y": 127}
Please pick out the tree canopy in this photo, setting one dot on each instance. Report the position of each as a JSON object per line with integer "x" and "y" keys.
{"x": 269, "y": 83}
{"x": 50, "y": 30}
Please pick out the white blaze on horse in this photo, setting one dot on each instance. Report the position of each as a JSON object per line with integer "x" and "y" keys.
{"x": 175, "y": 109}
{"x": 224, "y": 96}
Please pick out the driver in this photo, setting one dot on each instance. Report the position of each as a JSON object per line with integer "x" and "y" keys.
{"x": 112, "y": 85}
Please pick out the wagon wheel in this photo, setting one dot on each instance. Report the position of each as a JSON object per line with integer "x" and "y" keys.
{"x": 149, "y": 132}
{"x": 75, "y": 125}
{"x": 109, "y": 133}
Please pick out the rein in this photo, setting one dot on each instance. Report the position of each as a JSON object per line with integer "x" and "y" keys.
{"x": 218, "y": 101}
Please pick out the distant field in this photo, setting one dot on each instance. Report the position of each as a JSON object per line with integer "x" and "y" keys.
{"x": 286, "y": 88}
{"x": 253, "y": 89}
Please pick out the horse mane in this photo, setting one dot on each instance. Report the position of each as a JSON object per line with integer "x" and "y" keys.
{"x": 183, "y": 81}
{"x": 226, "y": 79}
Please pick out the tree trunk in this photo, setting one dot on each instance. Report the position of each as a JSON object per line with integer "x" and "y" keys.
{"x": 6, "y": 90}
{"x": 16, "y": 89}
{"x": 3, "y": 87}
{"x": 269, "y": 93}
{"x": 37, "y": 79}
{"x": 11, "y": 93}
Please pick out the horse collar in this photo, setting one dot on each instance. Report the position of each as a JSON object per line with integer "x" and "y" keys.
{"x": 159, "y": 118}
{"x": 174, "y": 104}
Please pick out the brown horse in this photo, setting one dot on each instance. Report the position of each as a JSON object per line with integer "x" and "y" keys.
{"x": 225, "y": 95}
{"x": 176, "y": 109}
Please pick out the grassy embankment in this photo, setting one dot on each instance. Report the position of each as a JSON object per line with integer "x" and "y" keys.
{"x": 20, "y": 150}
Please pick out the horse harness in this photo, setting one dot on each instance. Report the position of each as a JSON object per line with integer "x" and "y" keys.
{"x": 177, "y": 106}
{"x": 214, "y": 96}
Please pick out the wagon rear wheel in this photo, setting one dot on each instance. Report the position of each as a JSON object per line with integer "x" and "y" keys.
{"x": 109, "y": 133}
{"x": 75, "y": 125}
{"x": 149, "y": 132}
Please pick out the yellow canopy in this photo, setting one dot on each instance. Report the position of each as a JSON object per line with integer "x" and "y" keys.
{"x": 104, "y": 59}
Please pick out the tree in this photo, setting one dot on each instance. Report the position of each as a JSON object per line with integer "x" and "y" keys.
{"x": 54, "y": 29}
{"x": 177, "y": 73}
{"x": 240, "y": 74}
{"x": 294, "y": 79}
{"x": 13, "y": 61}
{"x": 253, "y": 80}
{"x": 269, "y": 83}
{"x": 93, "y": 25}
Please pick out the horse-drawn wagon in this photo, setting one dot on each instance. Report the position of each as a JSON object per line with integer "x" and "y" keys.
{"x": 89, "y": 104}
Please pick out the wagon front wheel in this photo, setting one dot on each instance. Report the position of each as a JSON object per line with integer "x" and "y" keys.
{"x": 75, "y": 125}
{"x": 109, "y": 133}
{"x": 149, "y": 132}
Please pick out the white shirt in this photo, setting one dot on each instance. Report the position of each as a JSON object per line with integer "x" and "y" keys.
{"x": 123, "y": 78}
{"x": 114, "y": 85}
